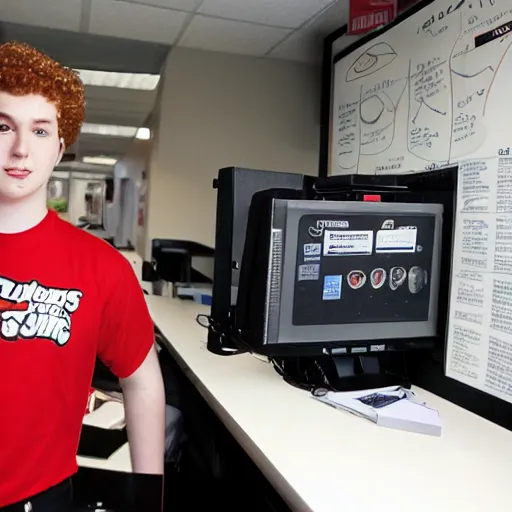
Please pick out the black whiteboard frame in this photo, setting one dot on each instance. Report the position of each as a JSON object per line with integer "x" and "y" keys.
{"x": 427, "y": 374}
{"x": 329, "y": 60}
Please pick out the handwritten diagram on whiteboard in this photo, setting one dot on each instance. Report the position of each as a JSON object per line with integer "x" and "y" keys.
{"x": 423, "y": 95}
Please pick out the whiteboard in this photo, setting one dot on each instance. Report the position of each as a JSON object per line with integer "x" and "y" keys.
{"x": 421, "y": 95}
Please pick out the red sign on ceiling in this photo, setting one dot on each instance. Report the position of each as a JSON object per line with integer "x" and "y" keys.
{"x": 367, "y": 15}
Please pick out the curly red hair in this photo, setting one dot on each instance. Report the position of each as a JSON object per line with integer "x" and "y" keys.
{"x": 25, "y": 70}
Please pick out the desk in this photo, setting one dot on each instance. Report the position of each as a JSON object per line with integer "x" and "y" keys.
{"x": 323, "y": 460}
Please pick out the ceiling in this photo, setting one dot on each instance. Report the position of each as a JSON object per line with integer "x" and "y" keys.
{"x": 135, "y": 36}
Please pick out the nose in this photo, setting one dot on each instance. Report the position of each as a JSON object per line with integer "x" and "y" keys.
{"x": 20, "y": 147}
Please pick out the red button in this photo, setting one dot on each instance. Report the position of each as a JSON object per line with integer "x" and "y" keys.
{"x": 371, "y": 198}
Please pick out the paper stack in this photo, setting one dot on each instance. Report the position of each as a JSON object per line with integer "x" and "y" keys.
{"x": 392, "y": 407}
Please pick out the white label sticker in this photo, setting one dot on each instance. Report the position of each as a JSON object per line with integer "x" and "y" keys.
{"x": 312, "y": 249}
{"x": 309, "y": 272}
{"x": 348, "y": 243}
{"x": 396, "y": 240}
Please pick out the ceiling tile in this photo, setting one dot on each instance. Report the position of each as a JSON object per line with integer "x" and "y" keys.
{"x": 301, "y": 47}
{"x": 231, "y": 36}
{"x": 280, "y": 13}
{"x": 58, "y": 14}
{"x": 182, "y": 5}
{"x": 328, "y": 21}
{"x": 135, "y": 21}
{"x": 306, "y": 44}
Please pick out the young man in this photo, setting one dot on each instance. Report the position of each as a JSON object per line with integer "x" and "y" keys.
{"x": 65, "y": 297}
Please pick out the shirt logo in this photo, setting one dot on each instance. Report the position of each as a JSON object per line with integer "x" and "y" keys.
{"x": 31, "y": 310}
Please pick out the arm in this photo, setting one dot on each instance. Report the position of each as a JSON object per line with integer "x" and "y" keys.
{"x": 144, "y": 404}
{"x": 127, "y": 347}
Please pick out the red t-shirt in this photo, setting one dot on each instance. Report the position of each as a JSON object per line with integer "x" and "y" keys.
{"x": 65, "y": 297}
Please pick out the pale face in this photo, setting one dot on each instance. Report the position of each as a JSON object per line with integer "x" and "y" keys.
{"x": 29, "y": 146}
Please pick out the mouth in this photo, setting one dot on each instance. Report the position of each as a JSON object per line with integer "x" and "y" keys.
{"x": 17, "y": 172}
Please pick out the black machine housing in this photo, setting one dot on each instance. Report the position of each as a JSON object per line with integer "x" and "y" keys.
{"x": 229, "y": 312}
{"x": 235, "y": 189}
{"x": 423, "y": 367}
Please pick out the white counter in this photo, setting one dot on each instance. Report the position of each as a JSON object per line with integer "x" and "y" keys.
{"x": 325, "y": 460}
{"x": 119, "y": 461}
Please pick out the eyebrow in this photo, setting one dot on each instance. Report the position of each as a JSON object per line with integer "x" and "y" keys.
{"x": 35, "y": 121}
{"x": 44, "y": 121}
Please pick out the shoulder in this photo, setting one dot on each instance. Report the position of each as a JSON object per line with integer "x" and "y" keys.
{"x": 93, "y": 252}
{"x": 82, "y": 239}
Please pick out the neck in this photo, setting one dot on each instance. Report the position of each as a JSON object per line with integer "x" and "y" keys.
{"x": 19, "y": 216}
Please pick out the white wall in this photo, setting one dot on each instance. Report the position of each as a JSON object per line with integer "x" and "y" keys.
{"x": 220, "y": 110}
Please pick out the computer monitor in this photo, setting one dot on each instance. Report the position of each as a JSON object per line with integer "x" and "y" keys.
{"x": 235, "y": 188}
{"x": 172, "y": 259}
{"x": 338, "y": 277}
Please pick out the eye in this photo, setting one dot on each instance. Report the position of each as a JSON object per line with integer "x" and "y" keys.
{"x": 4, "y": 128}
{"x": 40, "y": 132}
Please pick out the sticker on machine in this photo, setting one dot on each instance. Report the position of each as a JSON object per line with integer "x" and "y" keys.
{"x": 312, "y": 252}
{"x": 418, "y": 279}
{"x": 356, "y": 279}
{"x": 396, "y": 240}
{"x": 318, "y": 230}
{"x": 397, "y": 277}
{"x": 332, "y": 287}
{"x": 348, "y": 243}
{"x": 378, "y": 278}
{"x": 309, "y": 272}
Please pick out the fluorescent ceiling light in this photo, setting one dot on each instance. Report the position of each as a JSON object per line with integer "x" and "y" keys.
{"x": 109, "y": 129}
{"x": 99, "y": 160}
{"x": 143, "y": 133}
{"x": 138, "y": 81}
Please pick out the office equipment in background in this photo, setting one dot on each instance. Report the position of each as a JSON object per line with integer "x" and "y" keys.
{"x": 347, "y": 283}
{"x": 312, "y": 364}
{"x": 235, "y": 187}
{"x": 420, "y": 94}
{"x": 94, "y": 204}
{"x": 392, "y": 407}
{"x": 326, "y": 273}
{"x": 171, "y": 262}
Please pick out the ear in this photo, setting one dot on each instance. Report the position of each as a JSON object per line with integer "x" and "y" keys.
{"x": 62, "y": 148}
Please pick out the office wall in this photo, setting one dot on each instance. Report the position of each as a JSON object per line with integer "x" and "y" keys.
{"x": 218, "y": 110}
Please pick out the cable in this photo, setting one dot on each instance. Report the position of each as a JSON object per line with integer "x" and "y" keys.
{"x": 302, "y": 373}
{"x": 211, "y": 325}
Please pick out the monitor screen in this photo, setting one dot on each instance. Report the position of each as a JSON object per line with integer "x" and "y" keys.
{"x": 363, "y": 268}
{"x": 352, "y": 272}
